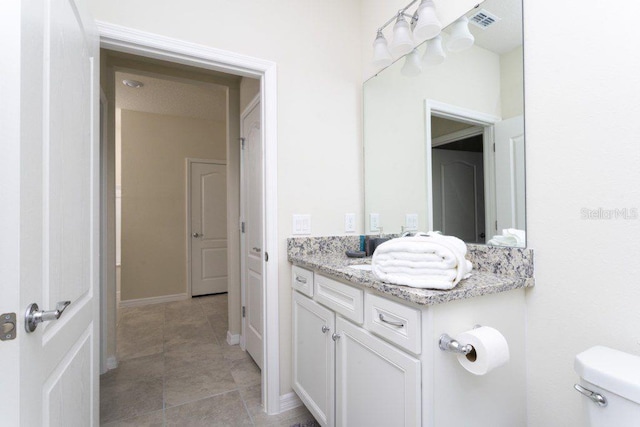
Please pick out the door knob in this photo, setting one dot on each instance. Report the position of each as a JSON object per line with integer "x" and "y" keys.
{"x": 33, "y": 315}
{"x": 196, "y": 235}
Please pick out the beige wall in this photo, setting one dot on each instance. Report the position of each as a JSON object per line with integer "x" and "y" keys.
{"x": 154, "y": 149}
{"x": 512, "y": 83}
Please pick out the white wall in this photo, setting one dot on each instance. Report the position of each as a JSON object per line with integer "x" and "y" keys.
{"x": 582, "y": 94}
{"x": 511, "y": 84}
{"x": 316, "y": 46}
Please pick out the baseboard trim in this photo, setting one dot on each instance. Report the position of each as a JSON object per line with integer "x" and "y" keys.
{"x": 233, "y": 339}
{"x": 152, "y": 300}
{"x": 289, "y": 401}
{"x": 112, "y": 363}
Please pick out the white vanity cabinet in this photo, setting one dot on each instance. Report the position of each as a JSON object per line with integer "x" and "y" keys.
{"x": 363, "y": 359}
{"x": 376, "y": 384}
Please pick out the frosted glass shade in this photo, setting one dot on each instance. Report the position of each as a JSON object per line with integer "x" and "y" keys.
{"x": 428, "y": 25}
{"x": 381, "y": 54}
{"x": 411, "y": 65}
{"x": 402, "y": 42}
{"x": 434, "y": 54}
{"x": 461, "y": 38}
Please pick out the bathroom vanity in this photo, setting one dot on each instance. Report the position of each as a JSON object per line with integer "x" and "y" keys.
{"x": 366, "y": 353}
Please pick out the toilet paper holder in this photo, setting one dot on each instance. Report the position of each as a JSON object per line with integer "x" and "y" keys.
{"x": 447, "y": 343}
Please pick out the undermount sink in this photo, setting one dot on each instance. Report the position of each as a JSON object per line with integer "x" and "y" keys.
{"x": 365, "y": 267}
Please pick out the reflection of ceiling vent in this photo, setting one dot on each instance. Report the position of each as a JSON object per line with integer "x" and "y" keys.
{"x": 483, "y": 18}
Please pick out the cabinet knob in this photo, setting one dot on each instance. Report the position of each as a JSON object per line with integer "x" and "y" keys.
{"x": 325, "y": 329}
{"x": 335, "y": 336}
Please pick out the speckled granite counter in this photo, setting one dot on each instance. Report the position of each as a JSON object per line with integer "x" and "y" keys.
{"x": 495, "y": 269}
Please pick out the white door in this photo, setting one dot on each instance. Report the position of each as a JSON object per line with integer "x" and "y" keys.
{"x": 314, "y": 357}
{"x": 510, "y": 173}
{"x": 208, "y": 195}
{"x": 458, "y": 194}
{"x": 252, "y": 242}
{"x": 376, "y": 384}
{"x": 50, "y": 376}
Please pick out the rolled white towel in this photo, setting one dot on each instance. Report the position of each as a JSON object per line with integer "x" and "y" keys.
{"x": 509, "y": 237}
{"x": 422, "y": 261}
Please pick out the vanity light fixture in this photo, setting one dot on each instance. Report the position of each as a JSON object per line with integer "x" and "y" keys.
{"x": 381, "y": 55}
{"x": 412, "y": 66}
{"x": 461, "y": 38}
{"x": 424, "y": 24}
{"x": 434, "y": 53}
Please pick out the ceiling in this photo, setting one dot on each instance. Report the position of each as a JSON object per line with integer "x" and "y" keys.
{"x": 171, "y": 96}
{"x": 504, "y": 35}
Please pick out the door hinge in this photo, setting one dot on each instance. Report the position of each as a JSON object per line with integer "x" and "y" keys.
{"x": 266, "y": 256}
{"x": 494, "y": 147}
{"x": 496, "y": 225}
{"x": 243, "y": 312}
{"x": 242, "y": 143}
{"x": 242, "y": 226}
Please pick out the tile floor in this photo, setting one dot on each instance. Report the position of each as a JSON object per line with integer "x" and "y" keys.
{"x": 176, "y": 369}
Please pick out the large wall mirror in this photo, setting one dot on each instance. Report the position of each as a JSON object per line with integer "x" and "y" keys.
{"x": 444, "y": 145}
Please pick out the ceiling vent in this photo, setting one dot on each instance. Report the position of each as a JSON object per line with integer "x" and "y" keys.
{"x": 483, "y": 19}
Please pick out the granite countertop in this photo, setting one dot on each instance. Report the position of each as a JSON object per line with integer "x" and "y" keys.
{"x": 336, "y": 265}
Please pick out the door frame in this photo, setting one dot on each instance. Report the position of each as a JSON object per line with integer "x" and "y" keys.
{"x": 188, "y": 162}
{"x": 127, "y": 40}
{"x": 476, "y": 118}
{"x": 243, "y": 236}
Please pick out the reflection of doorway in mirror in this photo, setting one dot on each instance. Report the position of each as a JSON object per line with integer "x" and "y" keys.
{"x": 458, "y": 187}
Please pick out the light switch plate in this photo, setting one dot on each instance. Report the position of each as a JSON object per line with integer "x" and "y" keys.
{"x": 374, "y": 222}
{"x": 411, "y": 222}
{"x": 301, "y": 224}
{"x": 350, "y": 223}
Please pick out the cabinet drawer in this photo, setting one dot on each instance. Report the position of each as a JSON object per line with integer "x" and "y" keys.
{"x": 395, "y": 322}
{"x": 302, "y": 280}
{"x": 343, "y": 299}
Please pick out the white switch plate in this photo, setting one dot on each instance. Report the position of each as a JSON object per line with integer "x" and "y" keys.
{"x": 350, "y": 223}
{"x": 302, "y": 224}
{"x": 411, "y": 222}
{"x": 374, "y": 222}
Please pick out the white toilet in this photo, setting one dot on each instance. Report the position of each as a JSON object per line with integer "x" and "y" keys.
{"x": 610, "y": 383}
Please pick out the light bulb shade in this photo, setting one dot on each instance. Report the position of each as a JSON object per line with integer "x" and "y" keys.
{"x": 461, "y": 38}
{"x": 402, "y": 42}
{"x": 411, "y": 65}
{"x": 428, "y": 25}
{"x": 434, "y": 54}
{"x": 381, "y": 54}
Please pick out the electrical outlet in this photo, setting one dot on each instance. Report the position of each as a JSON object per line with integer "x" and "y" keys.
{"x": 374, "y": 222}
{"x": 350, "y": 223}
{"x": 411, "y": 222}
{"x": 302, "y": 224}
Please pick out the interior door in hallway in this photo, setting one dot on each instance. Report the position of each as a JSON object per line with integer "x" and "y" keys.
{"x": 252, "y": 254}
{"x": 208, "y": 228}
{"x": 50, "y": 256}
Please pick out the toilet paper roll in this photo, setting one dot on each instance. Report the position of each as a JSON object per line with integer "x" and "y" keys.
{"x": 490, "y": 350}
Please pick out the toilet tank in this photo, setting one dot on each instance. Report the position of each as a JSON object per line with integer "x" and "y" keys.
{"x": 616, "y": 376}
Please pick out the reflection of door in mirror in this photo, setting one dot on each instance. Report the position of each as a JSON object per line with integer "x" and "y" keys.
{"x": 510, "y": 174}
{"x": 458, "y": 189}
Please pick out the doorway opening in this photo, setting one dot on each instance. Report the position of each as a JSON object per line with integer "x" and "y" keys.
{"x": 178, "y": 56}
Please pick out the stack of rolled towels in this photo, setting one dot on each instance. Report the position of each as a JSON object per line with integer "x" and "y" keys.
{"x": 426, "y": 260}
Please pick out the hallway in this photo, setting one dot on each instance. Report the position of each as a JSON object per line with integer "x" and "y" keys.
{"x": 175, "y": 368}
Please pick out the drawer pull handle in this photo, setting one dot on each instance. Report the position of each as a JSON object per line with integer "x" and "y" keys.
{"x": 301, "y": 280}
{"x": 398, "y": 324}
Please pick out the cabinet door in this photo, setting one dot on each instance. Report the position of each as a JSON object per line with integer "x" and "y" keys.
{"x": 376, "y": 384}
{"x": 314, "y": 357}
